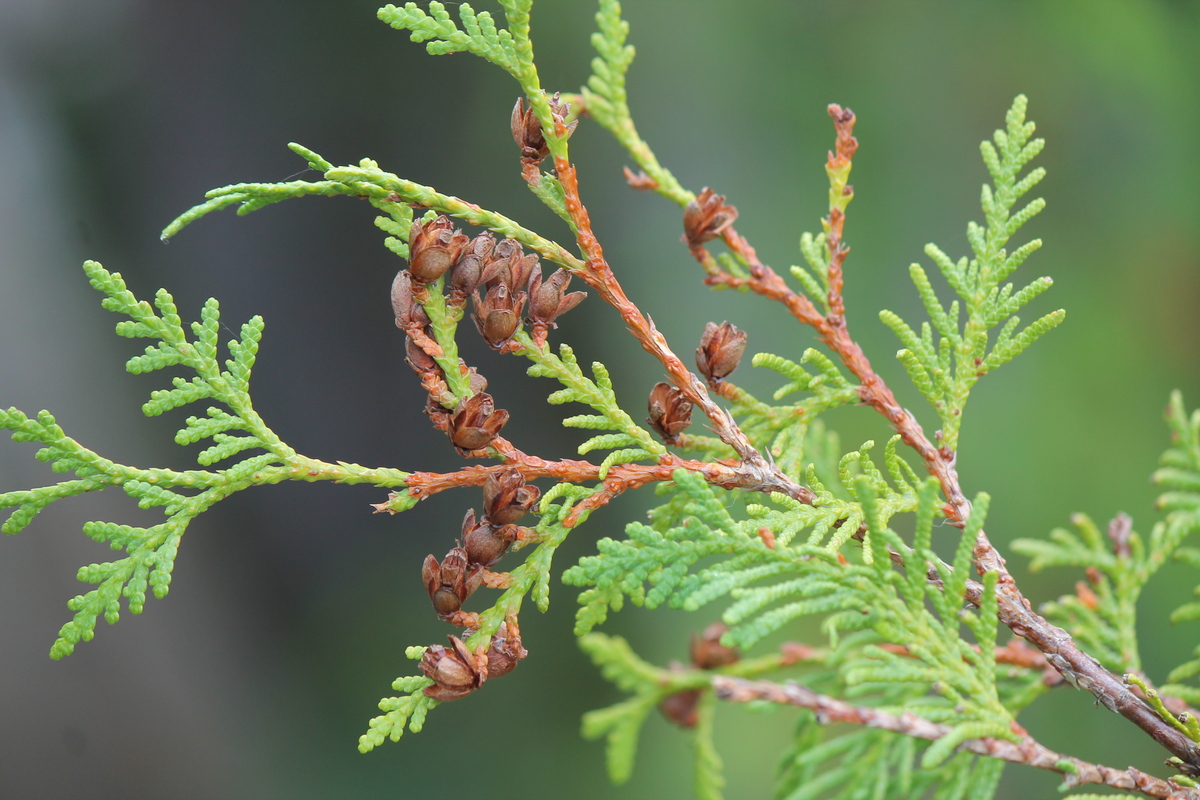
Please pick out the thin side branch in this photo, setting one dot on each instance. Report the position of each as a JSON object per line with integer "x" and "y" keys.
{"x": 1028, "y": 751}
{"x": 757, "y": 473}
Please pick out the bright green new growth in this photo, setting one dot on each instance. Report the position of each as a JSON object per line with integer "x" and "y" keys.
{"x": 182, "y": 495}
{"x": 945, "y": 369}
{"x": 906, "y": 633}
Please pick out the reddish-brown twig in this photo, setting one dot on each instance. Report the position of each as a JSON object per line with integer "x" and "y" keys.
{"x": 757, "y": 473}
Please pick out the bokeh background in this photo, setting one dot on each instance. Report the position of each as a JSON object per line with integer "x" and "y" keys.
{"x": 292, "y": 605}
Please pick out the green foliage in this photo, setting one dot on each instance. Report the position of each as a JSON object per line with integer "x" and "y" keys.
{"x": 1180, "y": 476}
{"x": 399, "y": 712}
{"x": 182, "y": 495}
{"x": 772, "y": 586}
{"x": 945, "y": 369}
{"x": 631, "y": 442}
{"x": 478, "y": 35}
{"x": 1102, "y": 614}
{"x": 783, "y": 430}
{"x": 606, "y": 101}
{"x": 908, "y": 634}
{"x": 868, "y": 763}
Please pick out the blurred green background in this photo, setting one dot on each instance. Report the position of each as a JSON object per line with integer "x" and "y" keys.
{"x": 292, "y": 605}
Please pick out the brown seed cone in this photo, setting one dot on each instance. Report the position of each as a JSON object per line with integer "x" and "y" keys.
{"x": 511, "y": 268}
{"x": 450, "y": 583}
{"x": 475, "y": 422}
{"x": 455, "y": 671}
{"x": 498, "y": 315}
{"x": 506, "y": 496}
{"x": 505, "y": 649}
{"x": 434, "y": 248}
{"x": 706, "y": 218}
{"x": 680, "y": 708}
{"x": 409, "y": 313}
{"x": 720, "y": 350}
{"x": 527, "y": 133}
{"x": 707, "y": 650}
{"x": 418, "y": 359}
{"x": 546, "y": 299}
{"x": 670, "y": 411}
{"x": 483, "y": 543}
{"x": 466, "y": 275}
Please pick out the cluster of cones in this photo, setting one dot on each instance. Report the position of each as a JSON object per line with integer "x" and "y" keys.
{"x": 456, "y": 670}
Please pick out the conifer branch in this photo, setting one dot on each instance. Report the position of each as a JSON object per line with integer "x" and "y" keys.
{"x": 833, "y": 331}
{"x": 912, "y": 639}
{"x": 1026, "y": 750}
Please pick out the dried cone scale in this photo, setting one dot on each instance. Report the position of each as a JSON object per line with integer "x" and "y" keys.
{"x": 720, "y": 350}
{"x": 670, "y": 411}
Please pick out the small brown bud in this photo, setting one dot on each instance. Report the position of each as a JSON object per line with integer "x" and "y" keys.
{"x": 707, "y": 650}
{"x": 720, "y": 350}
{"x": 670, "y": 411}
{"x": 506, "y": 496}
{"x": 475, "y": 422}
{"x": 527, "y": 133}
{"x": 706, "y": 218}
{"x": 455, "y": 671}
{"x": 433, "y": 248}
{"x": 466, "y": 275}
{"x": 498, "y": 315}
{"x": 450, "y": 583}
{"x": 546, "y": 299}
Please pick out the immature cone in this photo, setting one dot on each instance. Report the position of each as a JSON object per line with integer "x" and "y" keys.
{"x": 475, "y": 422}
{"x": 546, "y": 299}
{"x": 506, "y": 496}
{"x": 498, "y": 314}
{"x": 433, "y": 248}
{"x": 670, "y": 411}
{"x": 706, "y": 218}
{"x": 720, "y": 350}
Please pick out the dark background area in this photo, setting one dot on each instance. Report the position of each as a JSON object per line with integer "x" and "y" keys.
{"x": 291, "y": 605}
